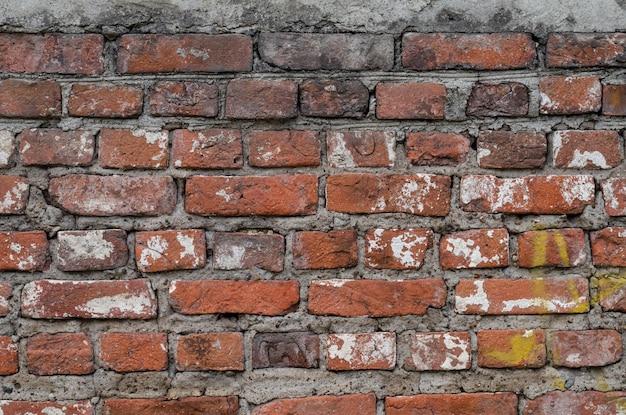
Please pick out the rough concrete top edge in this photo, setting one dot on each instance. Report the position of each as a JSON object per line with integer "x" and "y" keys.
{"x": 375, "y": 16}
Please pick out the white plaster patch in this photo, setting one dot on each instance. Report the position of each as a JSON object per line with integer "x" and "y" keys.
{"x": 333, "y": 283}
{"x": 557, "y": 144}
{"x": 231, "y": 258}
{"x": 364, "y": 349}
{"x": 573, "y": 358}
{"x": 578, "y": 188}
{"x": 53, "y": 411}
{"x": 456, "y": 361}
{"x": 547, "y": 103}
{"x": 478, "y": 298}
{"x": 464, "y": 248}
{"x": 609, "y": 194}
{"x": 580, "y": 160}
{"x": 198, "y": 53}
{"x": 374, "y": 244}
{"x": 17, "y": 248}
{"x": 14, "y": 196}
{"x": 189, "y": 249}
{"x": 340, "y": 155}
{"x": 133, "y": 304}
{"x": 224, "y": 194}
{"x": 31, "y": 295}
{"x": 402, "y": 246}
{"x": 549, "y": 305}
{"x": 482, "y": 153}
{"x": 6, "y": 147}
{"x": 155, "y": 248}
{"x": 91, "y": 245}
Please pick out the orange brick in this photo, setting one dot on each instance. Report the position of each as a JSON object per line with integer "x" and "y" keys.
{"x": 214, "y": 405}
{"x": 570, "y": 95}
{"x": 453, "y": 404}
{"x": 50, "y": 146}
{"x": 432, "y": 148}
{"x": 320, "y": 405}
{"x": 133, "y": 352}
{"x": 210, "y": 351}
{"x": 105, "y": 101}
{"x": 9, "y": 363}
{"x": 410, "y": 101}
{"x": 614, "y": 100}
{"x": 24, "y": 251}
{"x": 45, "y": 408}
{"x": 366, "y": 351}
{"x": 608, "y": 247}
{"x": 133, "y": 149}
{"x": 60, "y": 354}
{"x": 579, "y": 50}
{"x": 170, "y": 250}
{"x": 288, "y": 148}
{"x": 490, "y": 99}
{"x": 586, "y": 149}
{"x": 476, "y": 248}
{"x": 511, "y": 348}
{"x": 552, "y": 248}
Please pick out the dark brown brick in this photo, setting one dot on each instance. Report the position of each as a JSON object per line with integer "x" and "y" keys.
{"x": 261, "y": 99}
{"x": 51, "y": 146}
{"x": 285, "y": 350}
{"x": 614, "y": 100}
{"x": 509, "y": 150}
{"x": 29, "y": 99}
{"x": 185, "y": 99}
{"x": 507, "y": 99}
{"x": 432, "y": 148}
{"x": 333, "y": 99}
{"x": 248, "y": 251}
{"x": 579, "y": 50}
{"x": 410, "y": 100}
{"x": 213, "y": 148}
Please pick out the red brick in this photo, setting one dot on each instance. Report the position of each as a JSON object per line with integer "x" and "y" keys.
{"x": 92, "y": 195}
{"x": 579, "y": 50}
{"x": 133, "y": 352}
{"x": 397, "y": 248}
{"x": 280, "y": 195}
{"x": 476, "y": 248}
{"x": 375, "y": 298}
{"x": 7, "y": 149}
{"x": 91, "y": 250}
{"x": 614, "y": 194}
{"x": 327, "y": 51}
{"x": 361, "y": 148}
{"x": 433, "y": 148}
{"x": 29, "y": 99}
{"x": 528, "y": 194}
{"x": 333, "y": 99}
{"x": 9, "y": 363}
{"x": 207, "y": 149}
{"x": 170, "y": 250}
{"x": 419, "y": 194}
{"x": 14, "y": 191}
{"x": 320, "y": 405}
{"x": 214, "y": 405}
{"x": 105, "y": 101}
{"x": 585, "y": 348}
{"x": 210, "y": 351}
{"x": 248, "y": 251}
{"x": 612, "y": 293}
{"x": 570, "y": 95}
{"x": 46, "y": 408}
{"x": 6, "y": 290}
{"x": 522, "y": 296}
{"x": 511, "y": 348}
{"x": 453, "y": 404}
{"x": 439, "y": 351}
{"x": 614, "y": 100}
{"x": 285, "y": 350}
{"x": 52, "y": 53}
{"x": 490, "y": 99}
{"x": 288, "y": 148}
{"x": 49, "y": 147}
{"x": 261, "y": 99}
{"x": 60, "y": 354}
{"x": 270, "y": 298}
{"x": 488, "y": 51}
{"x": 608, "y": 247}
{"x": 150, "y": 53}
{"x": 361, "y": 351}
{"x": 133, "y": 149}
{"x": 325, "y": 250}
{"x": 24, "y": 251}
{"x": 552, "y": 248}
{"x": 509, "y": 150}
{"x": 184, "y": 99}
{"x": 579, "y": 403}
{"x": 410, "y": 101}
{"x": 585, "y": 149}
{"x": 114, "y": 299}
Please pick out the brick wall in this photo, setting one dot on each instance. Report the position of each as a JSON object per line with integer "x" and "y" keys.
{"x": 297, "y": 223}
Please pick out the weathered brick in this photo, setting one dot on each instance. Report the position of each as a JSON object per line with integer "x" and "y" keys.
{"x": 333, "y": 99}
{"x": 612, "y": 293}
{"x": 337, "y": 51}
{"x": 248, "y": 251}
{"x": 59, "y": 354}
{"x": 614, "y": 194}
{"x": 509, "y": 150}
{"x": 579, "y": 50}
{"x": 614, "y": 100}
{"x": 7, "y": 149}
{"x": 365, "y": 351}
{"x": 49, "y": 147}
{"x": 214, "y": 405}
{"x": 6, "y": 290}
{"x": 579, "y": 403}
{"x": 133, "y": 352}
{"x": 185, "y": 99}
{"x": 419, "y": 194}
{"x": 439, "y": 351}
{"x": 261, "y": 99}
{"x": 52, "y": 53}
{"x": 14, "y": 191}
{"x": 608, "y": 247}
{"x": 285, "y": 350}
{"x": 133, "y": 149}
{"x": 320, "y": 405}
{"x": 91, "y": 250}
{"x": 9, "y": 362}
{"x": 271, "y": 298}
{"x": 154, "y": 53}
{"x": 476, "y": 248}
{"x": 511, "y": 348}
{"x": 490, "y": 99}
{"x": 325, "y": 250}
{"x": 288, "y": 148}
{"x": 170, "y": 250}
{"x": 527, "y": 194}
{"x": 207, "y": 149}
{"x": 210, "y": 351}
{"x": 397, "y": 248}
{"x": 24, "y": 251}
{"x": 375, "y": 298}
{"x": 586, "y": 149}
{"x": 105, "y": 101}
{"x": 29, "y": 99}
{"x": 552, "y": 248}
{"x": 433, "y": 148}
{"x": 522, "y": 296}
{"x": 570, "y": 95}
{"x": 92, "y": 195}
{"x": 489, "y": 51}
{"x": 585, "y": 348}
{"x": 361, "y": 148}
{"x": 280, "y": 195}
{"x": 410, "y": 100}
{"x": 453, "y": 404}
{"x": 46, "y": 408}
{"x": 117, "y": 299}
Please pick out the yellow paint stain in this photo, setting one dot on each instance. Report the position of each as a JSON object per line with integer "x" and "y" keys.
{"x": 582, "y": 304}
{"x": 602, "y": 385}
{"x": 562, "y": 248}
{"x": 608, "y": 287}
{"x": 522, "y": 349}
{"x": 540, "y": 248}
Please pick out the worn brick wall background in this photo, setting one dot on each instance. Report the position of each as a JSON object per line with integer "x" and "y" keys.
{"x": 311, "y": 220}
